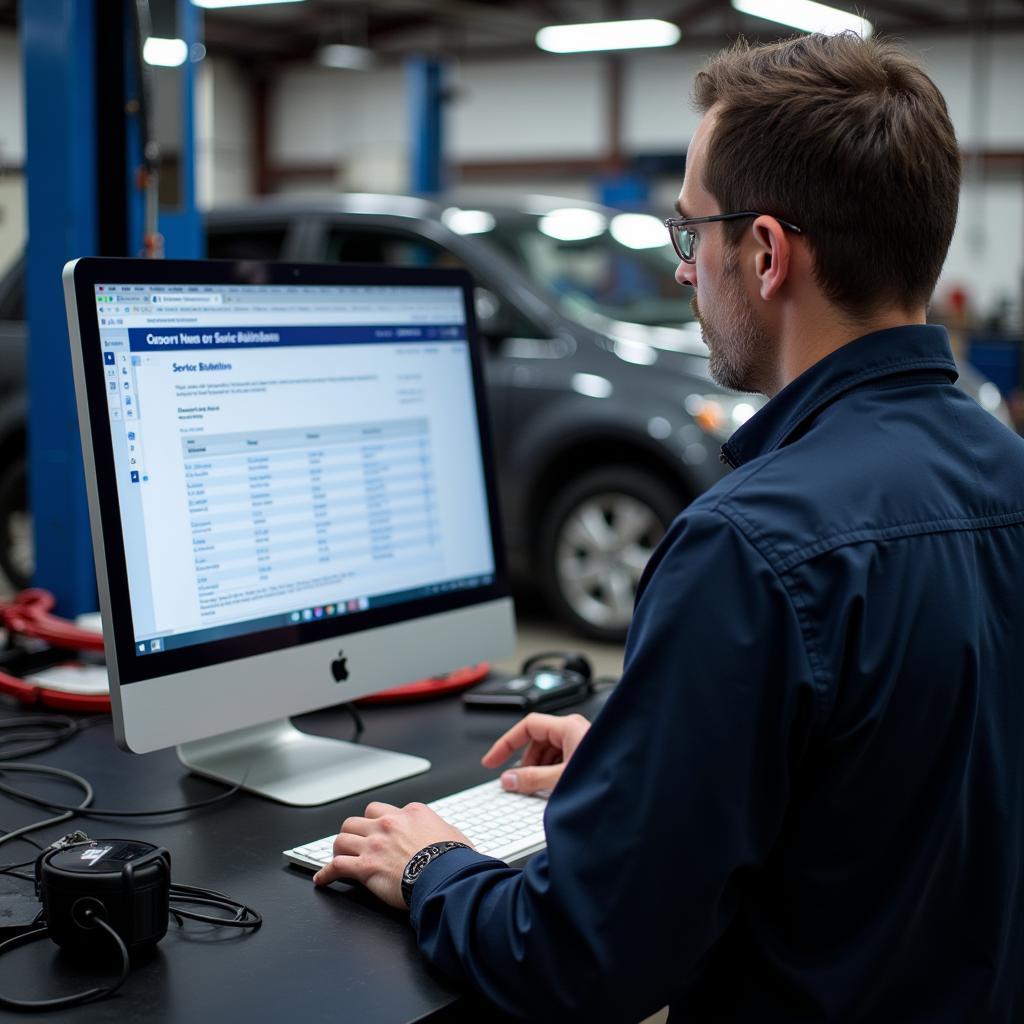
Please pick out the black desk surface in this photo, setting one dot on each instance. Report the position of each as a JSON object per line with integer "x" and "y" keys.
{"x": 332, "y": 955}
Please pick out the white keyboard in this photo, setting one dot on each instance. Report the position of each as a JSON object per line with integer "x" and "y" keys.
{"x": 499, "y": 824}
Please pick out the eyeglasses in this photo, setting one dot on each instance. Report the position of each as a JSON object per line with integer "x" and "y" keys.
{"x": 684, "y": 240}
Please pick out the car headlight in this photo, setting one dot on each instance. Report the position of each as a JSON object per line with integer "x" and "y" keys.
{"x": 720, "y": 415}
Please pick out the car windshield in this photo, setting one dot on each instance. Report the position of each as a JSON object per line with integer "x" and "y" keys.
{"x": 618, "y": 265}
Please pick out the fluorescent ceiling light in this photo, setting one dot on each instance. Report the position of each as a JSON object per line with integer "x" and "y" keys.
{"x": 338, "y": 55}
{"x": 214, "y": 5}
{"x": 608, "y": 35}
{"x": 591, "y": 385}
{"x": 638, "y": 231}
{"x": 806, "y": 15}
{"x": 165, "y": 53}
{"x": 468, "y": 222}
{"x": 572, "y": 224}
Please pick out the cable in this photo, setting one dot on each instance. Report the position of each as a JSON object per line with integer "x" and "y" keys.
{"x": 85, "y": 809}
{"x": 79, "y": 997}
{"x": 41, "y": 769}
{"x": 357, "y": 720}
{"x": 67, "y": 727}
{"x": 245, "y": 917}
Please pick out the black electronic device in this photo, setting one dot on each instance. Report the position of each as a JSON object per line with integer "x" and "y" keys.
{"x": 547, "y": 681}
{"x": 106, "y": 899}
{"x": 121, "y": 881}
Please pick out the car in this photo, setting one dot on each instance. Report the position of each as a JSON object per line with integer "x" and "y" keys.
{"x": 605, "y": 419}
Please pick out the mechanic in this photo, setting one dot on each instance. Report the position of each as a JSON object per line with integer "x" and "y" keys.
{"x": 805, "y": 798}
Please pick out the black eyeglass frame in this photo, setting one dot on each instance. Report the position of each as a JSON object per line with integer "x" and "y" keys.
{"x": 675, "y": 224}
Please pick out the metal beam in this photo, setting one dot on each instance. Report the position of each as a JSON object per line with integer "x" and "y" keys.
{"x": 425, "y": 83}
{"x": 58, "y": 42}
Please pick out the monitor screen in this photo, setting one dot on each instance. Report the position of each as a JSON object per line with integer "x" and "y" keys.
{"x": 290, "y": 453}
{"x": 278, "y": 456}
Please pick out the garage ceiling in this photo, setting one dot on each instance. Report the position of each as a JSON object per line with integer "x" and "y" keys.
{"x": 494, "y": 28}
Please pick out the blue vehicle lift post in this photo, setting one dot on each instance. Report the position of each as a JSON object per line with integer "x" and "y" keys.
{"x": 76, "y": 59}
{"x": 425, "y": 91}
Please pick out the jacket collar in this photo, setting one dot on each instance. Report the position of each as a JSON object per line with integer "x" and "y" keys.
{"x": 898, "y": 350}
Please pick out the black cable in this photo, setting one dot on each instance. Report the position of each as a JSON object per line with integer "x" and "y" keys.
{"x": 39, "y": 742}
{"x": 12, "y": 869}
{"x": 357, "y": 720}
{"x": 245, "y": 917}
{"x": 76, "y": 999}
{"x": 42, "y": 769}
{"x": 24, "y": 839}
{"x": 86, "y": 810}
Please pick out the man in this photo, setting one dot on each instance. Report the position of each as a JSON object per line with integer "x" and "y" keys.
{"x": 805, "y": 799}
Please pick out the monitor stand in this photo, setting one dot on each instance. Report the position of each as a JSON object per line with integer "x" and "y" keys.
{"x": 278, "y": 761}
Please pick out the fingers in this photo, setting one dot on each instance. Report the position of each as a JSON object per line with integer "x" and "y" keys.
{"x": 531, "y": 779}
{"x": 378, "y": 809}
{"x": 534, "y": 728}
{"x": 346, "y": 843}
{"x": 339, "y": 867}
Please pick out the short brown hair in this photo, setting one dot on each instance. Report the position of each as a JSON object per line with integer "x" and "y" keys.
{"x": 849, "y": 139}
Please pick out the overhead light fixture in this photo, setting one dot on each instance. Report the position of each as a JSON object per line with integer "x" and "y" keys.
{"x": 165, "y": 53}
{"x": 638, "y": 231}
{"x": 572, "y": 224}
{"x": 216, "y": 5}
{"x": 806, "y": 15}
{"x": 338, "y": 55}
{"x": 591, "y": 385}
{"x": 608, "y": 35}
{"x": 468, "y": 222}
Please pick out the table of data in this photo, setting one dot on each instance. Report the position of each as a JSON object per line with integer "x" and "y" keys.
{"x": 287, "y": 511}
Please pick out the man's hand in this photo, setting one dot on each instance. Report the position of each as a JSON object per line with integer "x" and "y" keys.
{"x": 550, "y": 741}
{"x": 375, "y": 849}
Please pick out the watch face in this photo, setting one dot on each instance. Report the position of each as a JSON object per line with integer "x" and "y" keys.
{"x": 419, "y": 862}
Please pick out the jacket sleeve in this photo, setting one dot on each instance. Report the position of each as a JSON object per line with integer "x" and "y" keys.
{"x": 677, "y": 790}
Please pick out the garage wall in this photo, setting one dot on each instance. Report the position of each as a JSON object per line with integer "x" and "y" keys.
{"x": 555, "y": 107}
{"x": 223, "y": 135}
{"x": 12, "y": 104}
{"x": 550, "y": 108}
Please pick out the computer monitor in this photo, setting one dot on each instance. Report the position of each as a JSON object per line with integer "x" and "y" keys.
{"x": 292, "y": 504}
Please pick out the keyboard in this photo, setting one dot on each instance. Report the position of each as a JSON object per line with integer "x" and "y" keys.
{"x": 499, "y": 824}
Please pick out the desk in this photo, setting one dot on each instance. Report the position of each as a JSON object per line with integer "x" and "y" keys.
{"x": 322, "y": 955}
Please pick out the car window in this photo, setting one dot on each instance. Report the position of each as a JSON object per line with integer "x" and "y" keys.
{"x": 609, "y": 272}
{"x": 240, "y": 242}
{"x": 347, "y": 245}
{"x": 398, "y": 249}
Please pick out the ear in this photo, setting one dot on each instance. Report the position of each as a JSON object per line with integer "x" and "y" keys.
{"x": 771, "y": 257}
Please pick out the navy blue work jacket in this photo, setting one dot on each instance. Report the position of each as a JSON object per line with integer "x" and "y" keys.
{"x": 805, "y": 799}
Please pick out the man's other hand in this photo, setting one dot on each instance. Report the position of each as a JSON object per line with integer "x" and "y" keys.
{"x": 550, "y": 740}
{"x": 374, "y": 850}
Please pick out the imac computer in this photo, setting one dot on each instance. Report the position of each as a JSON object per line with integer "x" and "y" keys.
{"x": 292, "y": 504}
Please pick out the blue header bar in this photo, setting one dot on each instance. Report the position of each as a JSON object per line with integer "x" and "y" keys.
{"x": 172, "y": 339}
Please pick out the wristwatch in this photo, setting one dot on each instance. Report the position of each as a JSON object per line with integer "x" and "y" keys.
{"x": 418, "y": 861}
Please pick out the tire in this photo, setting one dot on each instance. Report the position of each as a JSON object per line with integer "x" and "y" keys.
{"x": 596, "y": 536}
{"x": 17, "y": 555}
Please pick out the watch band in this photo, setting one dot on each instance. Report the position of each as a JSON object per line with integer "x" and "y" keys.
{"x": 418, "y": 861}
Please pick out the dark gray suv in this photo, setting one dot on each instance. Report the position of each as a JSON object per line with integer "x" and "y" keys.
{"x": 605, "y": 420}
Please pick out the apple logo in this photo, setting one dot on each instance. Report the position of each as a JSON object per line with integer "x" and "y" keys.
{"x": 339, "y": 669}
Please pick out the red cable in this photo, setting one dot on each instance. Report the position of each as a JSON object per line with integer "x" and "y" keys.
{"x": 29, "y": 615}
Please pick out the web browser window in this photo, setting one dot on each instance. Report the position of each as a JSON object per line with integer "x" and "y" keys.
{"x": 286, "y": 453}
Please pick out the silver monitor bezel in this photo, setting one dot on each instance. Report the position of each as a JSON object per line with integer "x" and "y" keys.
{"x": 177, "y": 696}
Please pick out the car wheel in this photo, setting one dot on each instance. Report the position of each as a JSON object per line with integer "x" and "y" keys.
{"x": 17, "y": 551}
{"x": 596, "y": 537}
